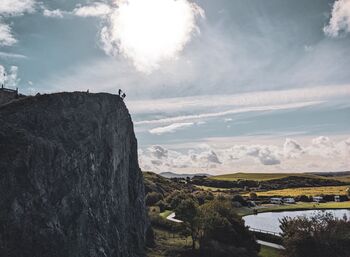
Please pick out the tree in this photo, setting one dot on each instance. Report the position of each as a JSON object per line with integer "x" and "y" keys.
{"x": 319, "y": 236}
{"x": 188, "y": 212}
{"x": 152, "y": 198}
{"x": 240, "y": 199}
{"x": 223, "y": 232}
{"x": 253, "y": 196}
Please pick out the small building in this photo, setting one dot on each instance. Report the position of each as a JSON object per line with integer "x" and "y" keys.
{"x": 7, "y": 95}
{"x": 317, "y": 199}
{"x": 289, "y": 200}
{"x": 276, "y": 200}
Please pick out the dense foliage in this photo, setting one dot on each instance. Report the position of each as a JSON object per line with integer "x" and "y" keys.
{"x": 281, "y": 183}
{"x": 319, "y": 236}
{"x": 217, "y": 229}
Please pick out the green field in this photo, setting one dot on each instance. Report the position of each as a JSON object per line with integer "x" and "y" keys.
{"x": 165, "y": 214}
{"x": 243, "y": 211}
{"x": 213, "y": 188}
{"x": 262, "y": 176}
{"x": 309, "y": 191}
{"x": 266, "y": 251}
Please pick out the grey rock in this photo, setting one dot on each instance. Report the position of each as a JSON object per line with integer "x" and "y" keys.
{"x": 70, "y": 183}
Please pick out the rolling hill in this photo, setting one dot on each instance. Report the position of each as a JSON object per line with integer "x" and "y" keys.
{"x": 263, "y": 176}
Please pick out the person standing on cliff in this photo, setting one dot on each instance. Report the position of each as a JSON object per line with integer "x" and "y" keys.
{"x": 119, "y": 92}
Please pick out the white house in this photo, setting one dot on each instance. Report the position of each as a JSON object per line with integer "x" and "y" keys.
{"x": 317, "y": 199}
{"x": 289, "y": 200}
{"x": 276, "y": 200}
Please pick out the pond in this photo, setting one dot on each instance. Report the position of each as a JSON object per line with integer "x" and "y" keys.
{"x": 269, "y": 221}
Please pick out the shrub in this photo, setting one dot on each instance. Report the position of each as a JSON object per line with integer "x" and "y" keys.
{"x": 152, "y": 198}
{"x": 253, "y": 196}
{"x": 240, "y": 199}
{"x": 319, "y": 236}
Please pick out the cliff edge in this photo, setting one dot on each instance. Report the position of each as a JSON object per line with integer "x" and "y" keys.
{"x": 70, "y": 184}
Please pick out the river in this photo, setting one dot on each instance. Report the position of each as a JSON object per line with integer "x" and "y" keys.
{"x": 270, "y": 220}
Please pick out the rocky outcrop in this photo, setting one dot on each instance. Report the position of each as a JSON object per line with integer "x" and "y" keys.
{"x": 70, "y": 184}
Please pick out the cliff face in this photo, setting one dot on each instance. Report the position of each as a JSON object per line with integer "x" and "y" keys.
{"x": 70, "y": 184}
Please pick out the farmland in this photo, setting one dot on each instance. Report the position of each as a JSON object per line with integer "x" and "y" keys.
{"x": 308, "y": 191}
{"x": 262, "y": 176}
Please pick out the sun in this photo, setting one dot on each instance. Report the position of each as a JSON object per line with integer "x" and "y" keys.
{"x": 149, "y": 32}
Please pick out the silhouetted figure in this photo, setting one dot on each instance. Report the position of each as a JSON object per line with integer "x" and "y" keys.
{"x": 119, "y": 92}
{"x": 123, "y": 96}
{"x": 88, "y": 91}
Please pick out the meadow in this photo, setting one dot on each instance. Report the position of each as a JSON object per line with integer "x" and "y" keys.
{"x": 308, "y": 191}
{"x": 263, "y": 176}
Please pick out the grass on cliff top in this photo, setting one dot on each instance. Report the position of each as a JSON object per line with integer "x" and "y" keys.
{"x": 309, "y": 191}
{"x": 262, "y": 176}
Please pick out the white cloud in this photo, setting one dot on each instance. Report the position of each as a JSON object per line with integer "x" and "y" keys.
{"x": 12, "y": 55}
{"x": 171, "y": 128}
{"x": 53, "y": 13}
{"x": 150, "y": 32}
{"x": 96, "y": 9}
{"x": 10, "y": 78}
{"x": 158, "y": 152}
{"x": 16, "y": 7}
{"x": 12, "y": 8}
{"x": 225, "y": 113}
{"x": 244, "y": 99}
{"x": 292, "y": 149}
{"x": 340, "y": 19}
{"x": 321, "y": 154}
{"x": 6, "y": 36}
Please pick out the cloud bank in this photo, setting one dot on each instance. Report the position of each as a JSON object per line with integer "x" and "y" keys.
{"x": 321, "y": 154}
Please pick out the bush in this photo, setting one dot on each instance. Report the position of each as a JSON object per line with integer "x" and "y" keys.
{"x": 162, "y": 205}
{"x": 318, "y": 236}
{"x": 240, "y": 199}
{"x": 302, "y": 198}
{"x": 253, "y": 196}
{"x": 152, "y": 198}
{"x": 224, "y": 233}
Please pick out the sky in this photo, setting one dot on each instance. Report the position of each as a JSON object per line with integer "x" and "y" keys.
{"x": 212, "y": 86}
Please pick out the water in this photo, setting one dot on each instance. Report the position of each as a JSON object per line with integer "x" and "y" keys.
{"x": 270, "y": 220}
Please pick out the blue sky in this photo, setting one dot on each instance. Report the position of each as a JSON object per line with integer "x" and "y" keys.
{"x": 242, "y": 86}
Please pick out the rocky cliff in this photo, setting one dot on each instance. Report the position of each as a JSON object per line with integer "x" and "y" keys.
{"x": 70, "y": 184}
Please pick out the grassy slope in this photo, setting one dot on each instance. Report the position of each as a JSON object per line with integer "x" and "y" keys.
{"x": 294, "y": 207}
{"x": 266, "y": 251}
{"x": 309, "y": 191}
{"x": 165, "y": 214}
{"x": 262, "y": 176}
{"x": 344, "y": 179}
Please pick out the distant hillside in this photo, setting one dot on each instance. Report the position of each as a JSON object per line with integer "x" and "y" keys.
{"x": 175, "y": 175}
{"x": 263, "y": 176}
{"x": 332, "y": 174}
{"x": 156, "y": 183}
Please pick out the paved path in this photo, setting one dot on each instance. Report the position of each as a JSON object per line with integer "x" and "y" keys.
{"x": 171, "y": 217}
{"x": 272, "y": 245}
